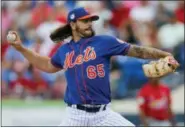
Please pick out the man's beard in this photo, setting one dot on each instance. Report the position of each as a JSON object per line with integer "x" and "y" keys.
{"x": 83, "y": 34}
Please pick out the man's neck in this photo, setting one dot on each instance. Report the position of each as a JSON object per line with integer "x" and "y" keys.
{"x": 155, "y": 85}
{"x": 75, "y": 37}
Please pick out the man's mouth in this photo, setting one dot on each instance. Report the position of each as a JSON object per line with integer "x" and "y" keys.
{"x": 88, "y": 29}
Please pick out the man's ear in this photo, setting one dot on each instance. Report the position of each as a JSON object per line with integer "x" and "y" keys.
{"x": 73, "y": 25}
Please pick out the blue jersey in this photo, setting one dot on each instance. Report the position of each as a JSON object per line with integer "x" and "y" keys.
{"x": 87, "y": 66}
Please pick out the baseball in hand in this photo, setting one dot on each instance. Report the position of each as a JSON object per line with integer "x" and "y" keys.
{"x": 11, "y": 37}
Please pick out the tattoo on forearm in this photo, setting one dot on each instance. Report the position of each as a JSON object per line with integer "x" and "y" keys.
{"x": 146, "y": 52}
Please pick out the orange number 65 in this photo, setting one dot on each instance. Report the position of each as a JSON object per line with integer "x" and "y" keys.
{"x": 93, "y": 71}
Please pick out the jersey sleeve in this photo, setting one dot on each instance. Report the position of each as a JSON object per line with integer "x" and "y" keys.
{"x": 115, "y": 46}
{"x": 56, "y": 59}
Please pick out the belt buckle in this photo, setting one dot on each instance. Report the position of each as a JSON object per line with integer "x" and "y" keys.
{"x": 103, "y": 107}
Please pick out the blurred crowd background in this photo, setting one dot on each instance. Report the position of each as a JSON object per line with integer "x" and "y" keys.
{"x": 158, "y": 24}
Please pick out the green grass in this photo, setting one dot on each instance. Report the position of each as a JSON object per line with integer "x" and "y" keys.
{"x": 32, "y": 103}
{"x": 16, "y": 103}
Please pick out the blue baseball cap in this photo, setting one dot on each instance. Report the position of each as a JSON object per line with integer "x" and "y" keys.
{"x": 80, "y": 13}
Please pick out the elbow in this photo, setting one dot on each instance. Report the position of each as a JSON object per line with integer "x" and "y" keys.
{"x": 47, "y": 70}
{"x": 50, "y": 71}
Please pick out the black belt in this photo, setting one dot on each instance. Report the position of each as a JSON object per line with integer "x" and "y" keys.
{"x": 89, "y": 109}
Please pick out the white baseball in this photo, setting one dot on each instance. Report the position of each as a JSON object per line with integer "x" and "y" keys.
{"x": 11, "y": 37}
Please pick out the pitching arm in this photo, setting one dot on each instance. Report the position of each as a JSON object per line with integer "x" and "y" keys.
{"x": 41, "y": 62}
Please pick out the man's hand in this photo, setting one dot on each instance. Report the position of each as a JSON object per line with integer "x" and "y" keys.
{"x": 172, "y": 62}
{"x": 17, "y": 43}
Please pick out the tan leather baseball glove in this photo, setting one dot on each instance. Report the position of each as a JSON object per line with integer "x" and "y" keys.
{"x": 161, "y": 67}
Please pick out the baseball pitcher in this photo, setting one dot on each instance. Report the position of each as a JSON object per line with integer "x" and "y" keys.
{"x": 86, "y": 61}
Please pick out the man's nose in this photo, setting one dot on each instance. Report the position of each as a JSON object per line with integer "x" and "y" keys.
{"x": 90, "y": 23}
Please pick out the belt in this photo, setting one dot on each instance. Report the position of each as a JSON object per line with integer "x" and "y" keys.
{"x": 91, "y": 109}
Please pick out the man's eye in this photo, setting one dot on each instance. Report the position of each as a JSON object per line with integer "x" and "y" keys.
{"x": 85, "y": 21}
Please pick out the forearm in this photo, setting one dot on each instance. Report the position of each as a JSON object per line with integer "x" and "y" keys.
{"x": 146, "y": 52}
{"x": 40, "y": 62}
{"x": 172, "y": 121}
{"x": 172, "y": 118}
{"x": 143, "y": 119}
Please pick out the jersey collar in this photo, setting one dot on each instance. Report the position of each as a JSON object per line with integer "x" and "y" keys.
{"x": 80, "y": 41}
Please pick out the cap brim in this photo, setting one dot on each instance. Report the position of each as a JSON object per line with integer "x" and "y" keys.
{"x": 93, "y": 17}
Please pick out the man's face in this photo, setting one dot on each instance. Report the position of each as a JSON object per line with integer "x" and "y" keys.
{"x": 154, "y": 81}
{"x": 84, "y": 28}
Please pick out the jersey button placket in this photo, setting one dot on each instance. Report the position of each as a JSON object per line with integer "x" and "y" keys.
{"x": 82, "y": 48}
{"x": 77, "y": 82}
